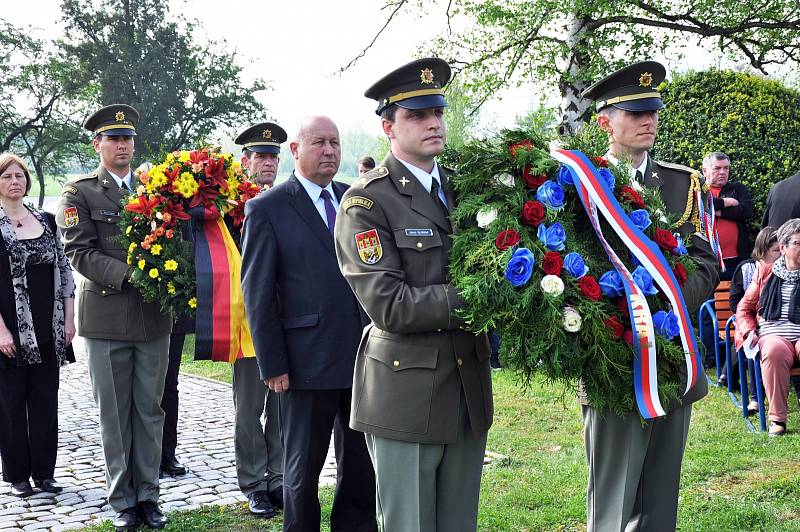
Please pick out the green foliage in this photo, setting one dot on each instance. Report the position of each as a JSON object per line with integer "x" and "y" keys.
{"x": 755, "y": 121}
{"x": 460, "y": 115}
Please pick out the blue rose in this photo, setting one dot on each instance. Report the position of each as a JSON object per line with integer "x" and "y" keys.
{"x": 611, "y": 284}
{"x": 644, "y": 281}
{"x": 606, "y": 175}
{"x": 666, "y": 324}
{"x": 575, "y": 266}
{"x": 564, "y": 176}
{"x": 640, "y": 218}
{"x": 681, "y": 249}
{"x": 551, "y": 194}
{"x": 552, "y": 237}
{"x": 520, "y": 267}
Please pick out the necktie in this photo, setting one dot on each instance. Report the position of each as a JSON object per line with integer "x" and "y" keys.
{"x": 639, "y": 176}
{"x": 330, "y": 212}
{"x": 436, "y": 199}
{"x": 125, "y": 189}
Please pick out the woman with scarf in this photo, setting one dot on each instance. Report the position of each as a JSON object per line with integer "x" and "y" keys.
{"x": 769, "y": 314}
{"x": 36, "y": 330}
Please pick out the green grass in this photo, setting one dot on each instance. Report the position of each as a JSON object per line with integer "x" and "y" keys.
{"x": 732, "y": 480}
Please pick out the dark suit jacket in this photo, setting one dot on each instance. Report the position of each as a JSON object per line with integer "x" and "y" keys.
{"x": 740, "y": 214}
{"x": 783, "y": 202}
{"x": 304, "y": 319}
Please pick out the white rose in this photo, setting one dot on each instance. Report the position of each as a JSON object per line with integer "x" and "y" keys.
{"x": 486, "y": 216}
{"x": 570, "y": 319}
{"x": 504, "y": 179}
{"x": 552, "y": 285}
{"x": 662, "y": 216}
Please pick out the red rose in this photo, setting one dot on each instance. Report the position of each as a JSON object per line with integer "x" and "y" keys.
{"x": 629, "y": 195}
{"x": 601, "y": 162}
{"x": 533, "y": 213}
{"x": 589, "y": 287}
{"x": 628, "y": 337}
{"x": 552, "y": 263}
{"x": 532, "y": 181}
{"x": 616, "y": 327}
{"x": 524, "y": 145}
{"x": 665, "y": 239}
{"x": 622, "y": 306}
{"x": 505, "y": 239}
{"x": 680, "y": 273}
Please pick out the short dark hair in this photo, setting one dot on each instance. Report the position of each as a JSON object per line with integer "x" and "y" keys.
{"x": 389, "y": 112}
{"x": 368, "y": 162}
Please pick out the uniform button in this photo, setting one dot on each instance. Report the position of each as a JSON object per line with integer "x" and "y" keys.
{"x": 109, "y": 219}
{"x": 103, "y": 291}
{"x": 419, "y": 244}
{"x": 460, "y": 362}
{"x": 396, "y": 363}
{"x": 438, "y": 330}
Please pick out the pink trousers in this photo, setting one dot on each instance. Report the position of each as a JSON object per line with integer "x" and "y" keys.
{"x": 778, "y": 355}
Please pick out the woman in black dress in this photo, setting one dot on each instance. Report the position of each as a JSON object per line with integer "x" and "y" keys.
{"x": 36, "y": 330}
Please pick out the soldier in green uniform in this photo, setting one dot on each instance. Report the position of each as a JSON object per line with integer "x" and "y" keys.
{"x": 422, "y": 389}
{"x": 634, "y": 469}
{"x": 257, "y": 443}
{"x": 126, "y": 339}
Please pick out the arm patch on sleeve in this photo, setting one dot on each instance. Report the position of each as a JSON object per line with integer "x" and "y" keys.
{"x": 357, "y": 201}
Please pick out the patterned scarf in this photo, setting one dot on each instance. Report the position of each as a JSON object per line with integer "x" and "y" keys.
{"x": 769, "y": 303}
{"x": 28, "y": 349}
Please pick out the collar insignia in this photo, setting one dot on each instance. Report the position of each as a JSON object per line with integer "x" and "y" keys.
{"x": 105, "y": 181}
{"x": 403, "y": 181}
{"x": 120, "y": 116}
{"x": 426, "y": 76}
{"x": 646, "y": 79}
{"x": 267, "y": 134}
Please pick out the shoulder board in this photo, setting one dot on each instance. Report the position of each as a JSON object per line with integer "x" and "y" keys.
{"x": 84, "y": 177}
{"x": 679, "y": 167}
{"x": 372, "y": 175}
{"x": 69, "y": 189}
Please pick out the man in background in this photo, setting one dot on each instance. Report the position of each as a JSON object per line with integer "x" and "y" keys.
{"x": 366, "y": 164}
{"x": 261, "y": 148}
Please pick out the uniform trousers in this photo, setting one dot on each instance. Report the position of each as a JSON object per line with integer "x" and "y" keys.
{"x": 778, "y": 355}
{"x": 425, "y": 487}
{"x": 127, "y": 382}
{"x": 634, "y": 470}
{"x": 307, "y": 418}
{"x": 29, "y": 420}
{"x": 169, "y": 400}
{"x": 257, "y": 430}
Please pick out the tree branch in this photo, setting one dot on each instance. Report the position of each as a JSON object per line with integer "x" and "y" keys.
{"x": 398, "y": 6}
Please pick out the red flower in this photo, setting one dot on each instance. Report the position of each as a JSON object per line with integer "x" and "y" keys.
{"x": 622, "y": 306}
{"x": 665, "y": 239}
{"x": 552, "y": 263}
{"x": 506, "y": 239}
{"x": 144, "y": 206}
{"x": 616, "y": 327}
{"x": 601, "y": 162}
{"x": 589, "y": 287}
{"x": 198, "y": 156}
{"x": 533, "y": 213}
{"x": 532, "y": 181}
{"x": 629, "y": 195}
{"x": 524, "y": 145}
{"x": 628, "y": 337}
{"x": 680, "y": 273}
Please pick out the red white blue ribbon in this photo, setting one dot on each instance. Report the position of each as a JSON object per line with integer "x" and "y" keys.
{"x": 709, "y": 220}
{"x": 598, "y": 198}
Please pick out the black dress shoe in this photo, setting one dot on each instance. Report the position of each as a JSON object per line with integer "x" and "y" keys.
{"x": 151, "y": 515}
{"x": 21, "y": 489}
{"x": 48, "y": 484}
{"x": 126, "y": 520}
{"x": 276, "y": 497}
{"x": 172, "y": 467}
{"x": 259, "y": 504}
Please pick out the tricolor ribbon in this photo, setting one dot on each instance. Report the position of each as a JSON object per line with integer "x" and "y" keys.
{"x": 709, "y": 221}
{"x": 222, "y": 332}
{"x": 598, "y": 198}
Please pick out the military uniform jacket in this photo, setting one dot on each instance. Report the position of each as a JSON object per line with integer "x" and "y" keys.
{"x": 108, "y": 306}
{"x": 392, "y": 244}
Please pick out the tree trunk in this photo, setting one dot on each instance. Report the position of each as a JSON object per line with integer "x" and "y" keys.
{"x": 575, "y": 110}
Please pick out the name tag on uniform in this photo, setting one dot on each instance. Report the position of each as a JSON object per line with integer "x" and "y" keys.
{"x": 109, "y": 213}
{"x": 419, "y": 232}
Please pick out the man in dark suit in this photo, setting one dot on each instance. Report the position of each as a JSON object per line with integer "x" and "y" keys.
{"x": 783, "y": 202}
{"x": 306, "y": 325}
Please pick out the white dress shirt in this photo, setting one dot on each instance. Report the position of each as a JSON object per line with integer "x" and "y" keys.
{"x": 314, "y": 192}
{"x": 119, "y": 180}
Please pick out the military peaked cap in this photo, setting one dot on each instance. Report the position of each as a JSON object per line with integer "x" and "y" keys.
{"x": 264, "y": 137}
{"x": 113, "y": 120}
{"x": 633, "y": 88}
{"x": 416, "y": 85}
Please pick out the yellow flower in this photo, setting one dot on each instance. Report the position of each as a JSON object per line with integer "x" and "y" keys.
{"x": 128, "y": 230}
{"x": 131, "y": 247}
{"x": 153, "y": 273}
{"x": 171, "y": 265}
{"x": 155, "y": 249}
{"x": 184, "y": 156}
{"x": 130, "y": 259}
{"x": 141, "y": 264}
{"x": 170, "y": 288}
{"x": 186, "y": 185}
{"x": 170, "y": 159}
{"x": 193, "y": 302}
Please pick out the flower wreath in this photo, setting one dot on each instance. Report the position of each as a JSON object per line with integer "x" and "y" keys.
{"x": 528, "y": 264}
{"x": 203, "y": 183}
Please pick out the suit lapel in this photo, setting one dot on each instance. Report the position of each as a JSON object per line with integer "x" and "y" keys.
{"x": 408, "y": 185}
{"x": 651, "y": 177}
{"x": 110, "y": 188}
{"x": 300, "y": 202}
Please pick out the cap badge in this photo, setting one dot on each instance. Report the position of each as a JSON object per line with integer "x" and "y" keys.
{"x": 426, "y": 76}
{"x": 267, "y": 134}
{"x": 120, "y": 116}
{"x": 646, "y": 79}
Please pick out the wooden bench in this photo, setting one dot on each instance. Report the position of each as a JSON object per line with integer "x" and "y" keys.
{"x": 722, "y": 306}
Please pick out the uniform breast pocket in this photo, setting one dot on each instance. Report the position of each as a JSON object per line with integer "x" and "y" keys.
{"x": 106, "y": 221}
{"x": 423, "y": 256}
